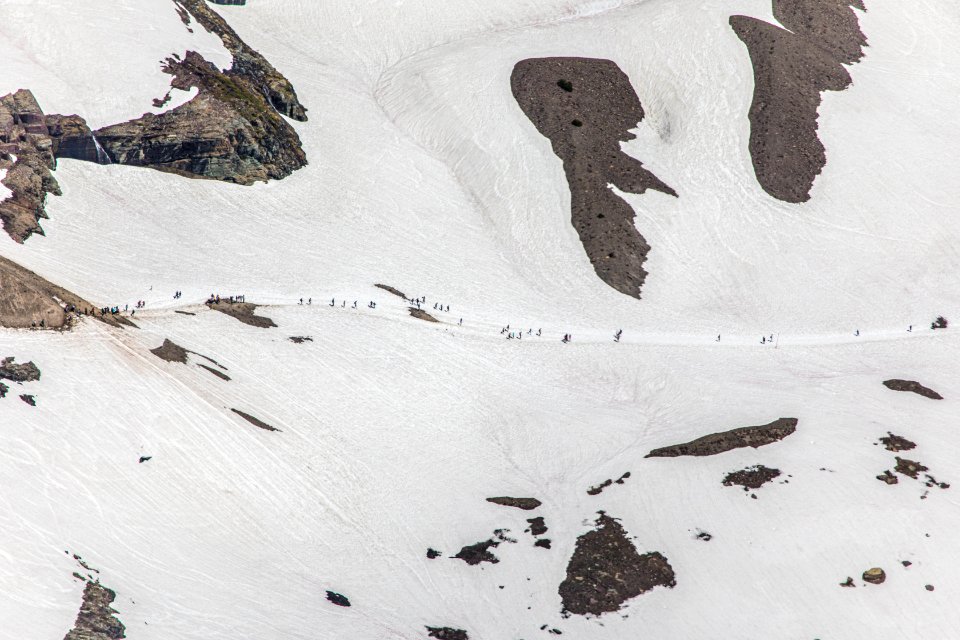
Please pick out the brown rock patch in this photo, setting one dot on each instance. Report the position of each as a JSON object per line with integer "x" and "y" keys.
{"x": 244, "y": 312}
{"x": 893, "y": 442}
{"x": 598, "y": 489}
{"x": 390, "y": 289}
{"x": 910, "y": 468}
{"x": 734, "y": 439}
{"x": 97, "y": 619}
{"x": 586, "y": 108}
{"x": 447, "y": 633}
{"x": 751, "y": 477}
{"x": 254, "y": 421}
{"x": 527, "y": 504}
{"x": 420, "y": 314}
{"x": 912, "y": 386}
{"x": 171, "y": 352}
{"x": 606, "y": 570}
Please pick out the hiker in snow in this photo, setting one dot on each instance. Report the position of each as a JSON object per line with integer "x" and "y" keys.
{"x": 763, "y": 340}
{"x": 354, "y": 304}
{"x": 718, "y": 337}
{"x": 910, "y": 328}
{"x": 343, "y": 305}
{"x": 333, "y": 301}
{"x": 448, "y": 308}
{"x": 460, "y": 324}
{"x": 520, "y": 335}
{"x": 434, "y": 306}
{"x": 538, "y": 331}
{"x": 309, "y": 300}
{"x": 857, "y": 333}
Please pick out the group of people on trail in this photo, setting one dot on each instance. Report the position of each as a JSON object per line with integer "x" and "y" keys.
{"x": 764, "y": 339}
{"x": 440, "y": 308}
{"x": 567, "y": 338}
{"x": 177, "y": 294}
{"x": 216, "y": 298}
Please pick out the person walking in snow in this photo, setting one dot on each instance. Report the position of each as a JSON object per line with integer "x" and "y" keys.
{"x": 354, "y": 304}
{"x": 763, "y": 340}
{"x": 333, "y": 302}
{"x": 857, "y": 333}
{"x": 718, "y": 337}
{"x": 309, "y": 300}
{"x": 460, "y": 324}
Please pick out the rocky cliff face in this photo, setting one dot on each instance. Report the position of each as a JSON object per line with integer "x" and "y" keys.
{"x": 247, "y": 63}
{"x": 29, "y": 143}
{"x": 229, "y": 131}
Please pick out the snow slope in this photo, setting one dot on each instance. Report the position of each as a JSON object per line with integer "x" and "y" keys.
{"x": 425, "y": 175}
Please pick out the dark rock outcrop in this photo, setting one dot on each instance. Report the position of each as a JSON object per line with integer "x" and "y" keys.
{"x": 527, "y": 504}
{"x": 228, "y": 131}
{"x": 912, "y": 386}
{"x": 171, "y": 352}
{"x": 606, "y": 570}
{"x": 586, "y": 108}
{"x": 254, "y": 421}
{"x": 751, "y": 477}
{"x": 876, "y": 575}
{"x": 888, "y": 477}
{"x": 338, "y": 599}
{"x": 598, "y": 489}
{"x": 791, "y": 69}
{"x": 538, "y": 526}
{"x": 420, "y": 314}
{"x": 479, "y": 552}
{"x": 910, "y": 468}
{"x": 447, "y": 633}
{"x": 392, "y": 290}
{"x": 245, "y": 312}
{"x": 97, "y": 619}
{"x": 24, "y": 372}
{"x": 734, "y": 439}
{"x": 247, "y": 63}
{"x": 893, "y": 442}
{"x": 34, "y": 139}
{"x": 29, "y": 399}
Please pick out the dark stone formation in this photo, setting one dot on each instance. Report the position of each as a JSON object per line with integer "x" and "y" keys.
{"x": 447, "y": 633}
{"x": 420, "y": 314}
{"x": 300, "y": 339}
{"x": 606, "y": 570}
{"x": 432, "y": 553}
{"x": 29, "y": 399}
{"x": 939, "y": 323}
{"x": 390, "y": 289}
{"x": 598, "y": 489}
{"x": 248, "y": 64}
{"x": 543, "y": 543}
{"x": 586, "y": 114}
{"x": 848, "y": 583}
{"x": 171, "y": 352}
{"x": 474, "y": 554}
{"x": 228, "y": 131}
{"x": 734, "y": 439}
{"x": 888, "y": 477}
{"x": 912, "y": 386}
{"x": 876, "y": 575}
{"x": 25, "y": 372}
{"x": 145, "y": 459}
{"x": 3, "y": 390}
{"x": 254, "y": 421}
{"x": 893, "y": 442}
{"x": 527, "y": 504}
{"x": 910, "y": 468}
{"x": 338, "y": 599}
{"x": 538, "y": 526}
{"x": 219, "y": 374}
{"x": 751, "y": 477}
{"x": 97, "y": 619}
{"x": 791, "y": 69}
{"x": 242, "y": 311}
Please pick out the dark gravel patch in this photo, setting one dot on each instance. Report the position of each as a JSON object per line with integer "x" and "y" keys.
{"x": 910, "y": 468}
{"x": 606, "y": 570}
{"x": 586, "y": 107}
{"x": 420, "y": 314}
{"x": 474, "y": 554}
{"x": 791, "y": 69}
{"x": 29, "y": 399}
{"x": 254, "y": 421}
{"x": 25, "y": 372}
{"x": 300, "y": 339}
{"x": 543, "y": 543}
{"x": 893, "y": 442}
{"x": 727, "y": 440}
{"x": 338, "y": 599}
{"x": 538, "y": 526}
{"x": 97, "y": 619}
{"x": 447, "y": 633}
{"x": 888, "y": 477}
{"x": 171, "y": 352}
{"x": 219, "y": 374}
{"x": 388, "y": 288}
{"x": 912, "y": 386}
{"x": 432, "y": 554}
{"x": 598, "y": 489}
{"x": 244, "y": 312}
{"x": 527, "y": 504}
{"x": 751, "y": 477}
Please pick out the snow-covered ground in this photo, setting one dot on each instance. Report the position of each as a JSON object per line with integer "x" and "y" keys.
{"x": 425, "y": 175}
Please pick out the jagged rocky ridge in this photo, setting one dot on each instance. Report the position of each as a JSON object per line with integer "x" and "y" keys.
{"x": 97, "y": 619}
{"x": 791, "y": 67}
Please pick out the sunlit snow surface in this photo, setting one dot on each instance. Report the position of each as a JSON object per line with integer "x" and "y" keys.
{"x": 425, "y": 175}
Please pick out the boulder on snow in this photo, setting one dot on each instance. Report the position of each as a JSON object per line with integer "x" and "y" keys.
{"x": 874, "y": 575}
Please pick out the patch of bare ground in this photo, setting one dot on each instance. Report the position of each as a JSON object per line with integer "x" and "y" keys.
{"x": 909, "y": 467}
{"x": 888, "y": 477}
{"x": 586, "y": 107}
{"x": 606, "y": 570}
{"x": 751, "y": 477}
{"x": 598, "y": 489}
{"x": 27, "y": 300}
{"x": 538, "y": 526}
{"x": 29, "y": 399}
{"x": 447, "y": 633}
{"x": 420, "y": 314}
{"x": 171, "y": 352}
{"x": 912, "y": 386}
{"x": 893, "y": 442}
{"x": 219, "y": 374}
{"x": 478, "y": 552}
{"x": 254, "y": 421}
{"x": 97, "y": 619}
{"x": 727, "y": 440}
{"x": 184, "y": 313}
{"x": 527, "y": 504}
{"x": 791, "y": 68}
{"x": 300, "y": 339}
{"x": 24, "y": 372}
{"x": 388, "y": 288}
{"x": 244, "y": 312}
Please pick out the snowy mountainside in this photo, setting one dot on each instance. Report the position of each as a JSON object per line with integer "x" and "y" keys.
{"x": 391, "y": 432}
